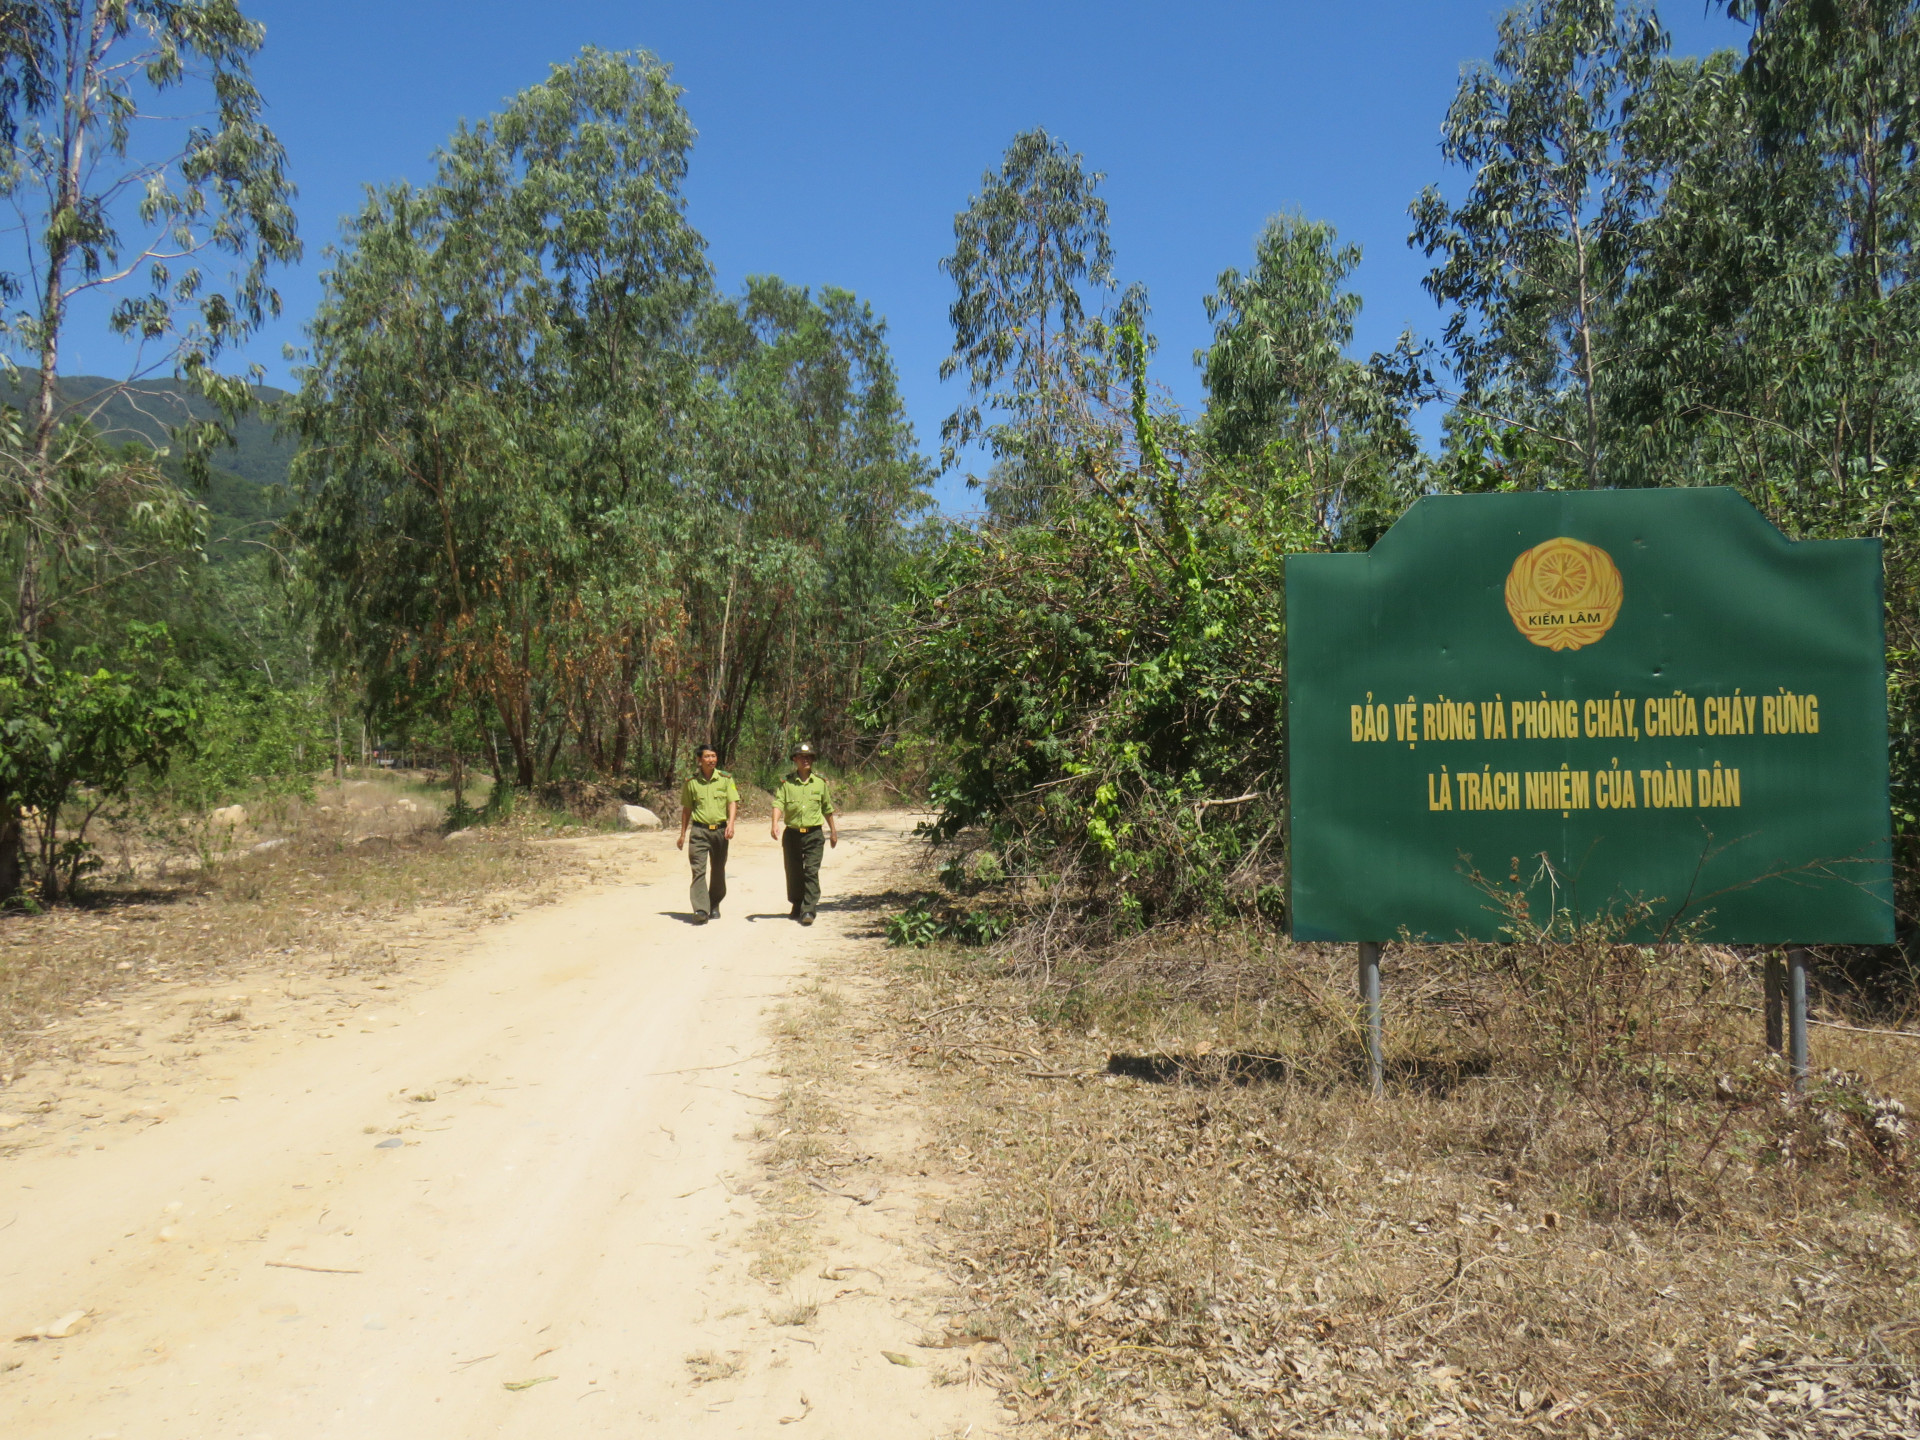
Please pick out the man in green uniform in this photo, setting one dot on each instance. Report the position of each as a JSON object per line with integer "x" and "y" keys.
{"x": 709, "y": 802}
{"x": 803, "y": 803}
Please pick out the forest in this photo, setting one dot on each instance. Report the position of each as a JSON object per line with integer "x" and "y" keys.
{"x": 545, "y": 505}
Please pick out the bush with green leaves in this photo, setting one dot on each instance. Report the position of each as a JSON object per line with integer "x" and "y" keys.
{"x": 249, "y": 742}
{"x": 918, "y": 927}
{"x": 73, "y": 737}
{"x": 1109, "y": 686}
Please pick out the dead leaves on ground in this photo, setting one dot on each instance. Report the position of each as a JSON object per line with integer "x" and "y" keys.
{"x": 1242, "y": 1254}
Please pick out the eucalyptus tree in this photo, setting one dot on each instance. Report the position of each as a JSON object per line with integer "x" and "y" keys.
{"x": 556, "y": 490}
{"x": 1535, "y": 258}
{"x": 1032, "y": 268}
{"x": 1282, "y": 388}
{"x": 142, "y": 179}
{"x": 814, "y": 476}
{"x": 490, "y": 409}
{"x": 1839, "y": 81}
{"x": 143, "y": 189}
{"x": 1776, "y": 325}
{"x": 1773, "y": 318}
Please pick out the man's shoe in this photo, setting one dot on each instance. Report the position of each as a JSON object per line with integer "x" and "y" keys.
{"x": 714, "y": 914}
{"x": 699, "y": 917}
{"x": 794, "y": 913}
{"x": 807, "y": 919}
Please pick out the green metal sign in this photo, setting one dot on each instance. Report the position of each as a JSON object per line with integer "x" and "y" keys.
{"x": 1617, "y": 703}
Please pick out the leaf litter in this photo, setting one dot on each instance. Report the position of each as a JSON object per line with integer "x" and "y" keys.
{"x": 1236, "y": 1249}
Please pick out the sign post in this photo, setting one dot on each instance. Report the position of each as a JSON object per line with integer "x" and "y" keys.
{"x": 1797, "y": 1015}
{"x": 1643, "y": 708}
{"x": 1370, "y": 1006}
{"x": 1776, "y": 1001}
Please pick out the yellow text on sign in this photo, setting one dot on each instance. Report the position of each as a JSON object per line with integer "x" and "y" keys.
{"x": 1616, "y": 717}
{"x": 1567, "y": 789}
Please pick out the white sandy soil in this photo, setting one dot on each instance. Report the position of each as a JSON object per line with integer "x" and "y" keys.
{"x": 530, "y": 1159}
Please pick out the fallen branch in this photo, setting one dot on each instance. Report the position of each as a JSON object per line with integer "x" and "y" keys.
{"x": 872, "y": 1194}
{"x": 316, "y": 1269}
{"x": 1837, "y": 1025}
{"x": 691, "y": 1069}
{"x": 1863, "y": 1030}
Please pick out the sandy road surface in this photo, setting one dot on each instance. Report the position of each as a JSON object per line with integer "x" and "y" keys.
{"x": 275, "y": 1262}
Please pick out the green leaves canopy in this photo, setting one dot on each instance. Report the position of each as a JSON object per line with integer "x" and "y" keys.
{"x": 1284, "y": 397}
{"x": 1533, "y": 261}
{"x": 1030, "y": 265}
{"x": 551, "y": 476}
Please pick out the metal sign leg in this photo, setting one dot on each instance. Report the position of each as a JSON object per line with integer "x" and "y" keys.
{"x": 1776, "y": 1002}
{"x": 1797, "y": 1015}
{"x": 1370, "y": 1002}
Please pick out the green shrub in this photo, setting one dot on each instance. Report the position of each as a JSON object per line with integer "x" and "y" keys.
{"x": 73, "y": 734}
{"x": 249, "y": 742}
{"x": 919, "y": 927}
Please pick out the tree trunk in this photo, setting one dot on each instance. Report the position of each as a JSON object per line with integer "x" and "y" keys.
{"x": 720, "y": 675}
{"x": 49, "y": 855}
{"x": 81, "y": 81}
{"x": 523, "y": 745}
{"x": 10, "y": 852}
{"x": 1589, "y": 384}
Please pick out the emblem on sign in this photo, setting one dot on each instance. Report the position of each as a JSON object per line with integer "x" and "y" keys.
{"x": 1563, "y": 593}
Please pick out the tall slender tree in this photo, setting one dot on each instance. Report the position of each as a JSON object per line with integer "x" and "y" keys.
{"x": 556, "y": 486}
{"x": 1535, "y": 257}
{"x": 143, "y": 181}
{"x": 1773, "y": 319}
{"x": 1775, "y": 325}
{"x": 1281, "y": 386}
{"x": 491, "y": 404}
{"x": 116, "y": 200}
{"x": 1032, "y": 268}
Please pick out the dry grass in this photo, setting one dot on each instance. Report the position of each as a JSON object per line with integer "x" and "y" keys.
{"x": 803, "y": 1135}
{"x": 796, "y": 1312}
{"x": 308, "y": 900}
{"x": 1590, "y": 1206}
{"x": 705, "y": 1367}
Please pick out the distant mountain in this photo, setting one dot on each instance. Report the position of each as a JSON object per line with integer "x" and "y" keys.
{"x": 144, "y": 411}
{"x": 247, "y": 494}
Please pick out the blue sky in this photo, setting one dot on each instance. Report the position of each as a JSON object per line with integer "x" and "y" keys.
{"x": 837, "y": 140}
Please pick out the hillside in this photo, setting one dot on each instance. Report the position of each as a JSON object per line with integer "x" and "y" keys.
{"x": 148, "y": 410}
{"x": 246, "y": 493}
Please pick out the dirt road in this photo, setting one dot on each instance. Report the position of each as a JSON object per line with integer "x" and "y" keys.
{"x": 513, "y": 1202}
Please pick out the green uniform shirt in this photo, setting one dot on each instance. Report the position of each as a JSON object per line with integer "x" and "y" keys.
{"x": 805, "y": 803}
{"x": 707, "y": 799}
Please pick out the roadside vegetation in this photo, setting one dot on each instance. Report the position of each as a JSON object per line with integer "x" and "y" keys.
{"x": 664, "y": 510}
{"x": 1653, "y": 270}
{"x": 1590, "y": 1204}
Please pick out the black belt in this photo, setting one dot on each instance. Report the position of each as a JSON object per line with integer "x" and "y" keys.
{"x": 717, "y": 825}
{"x": 803, "y": 829}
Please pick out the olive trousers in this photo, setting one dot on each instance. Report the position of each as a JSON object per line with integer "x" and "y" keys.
{"x": 707, "y": 853}
{"x": 802, "y": 852}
